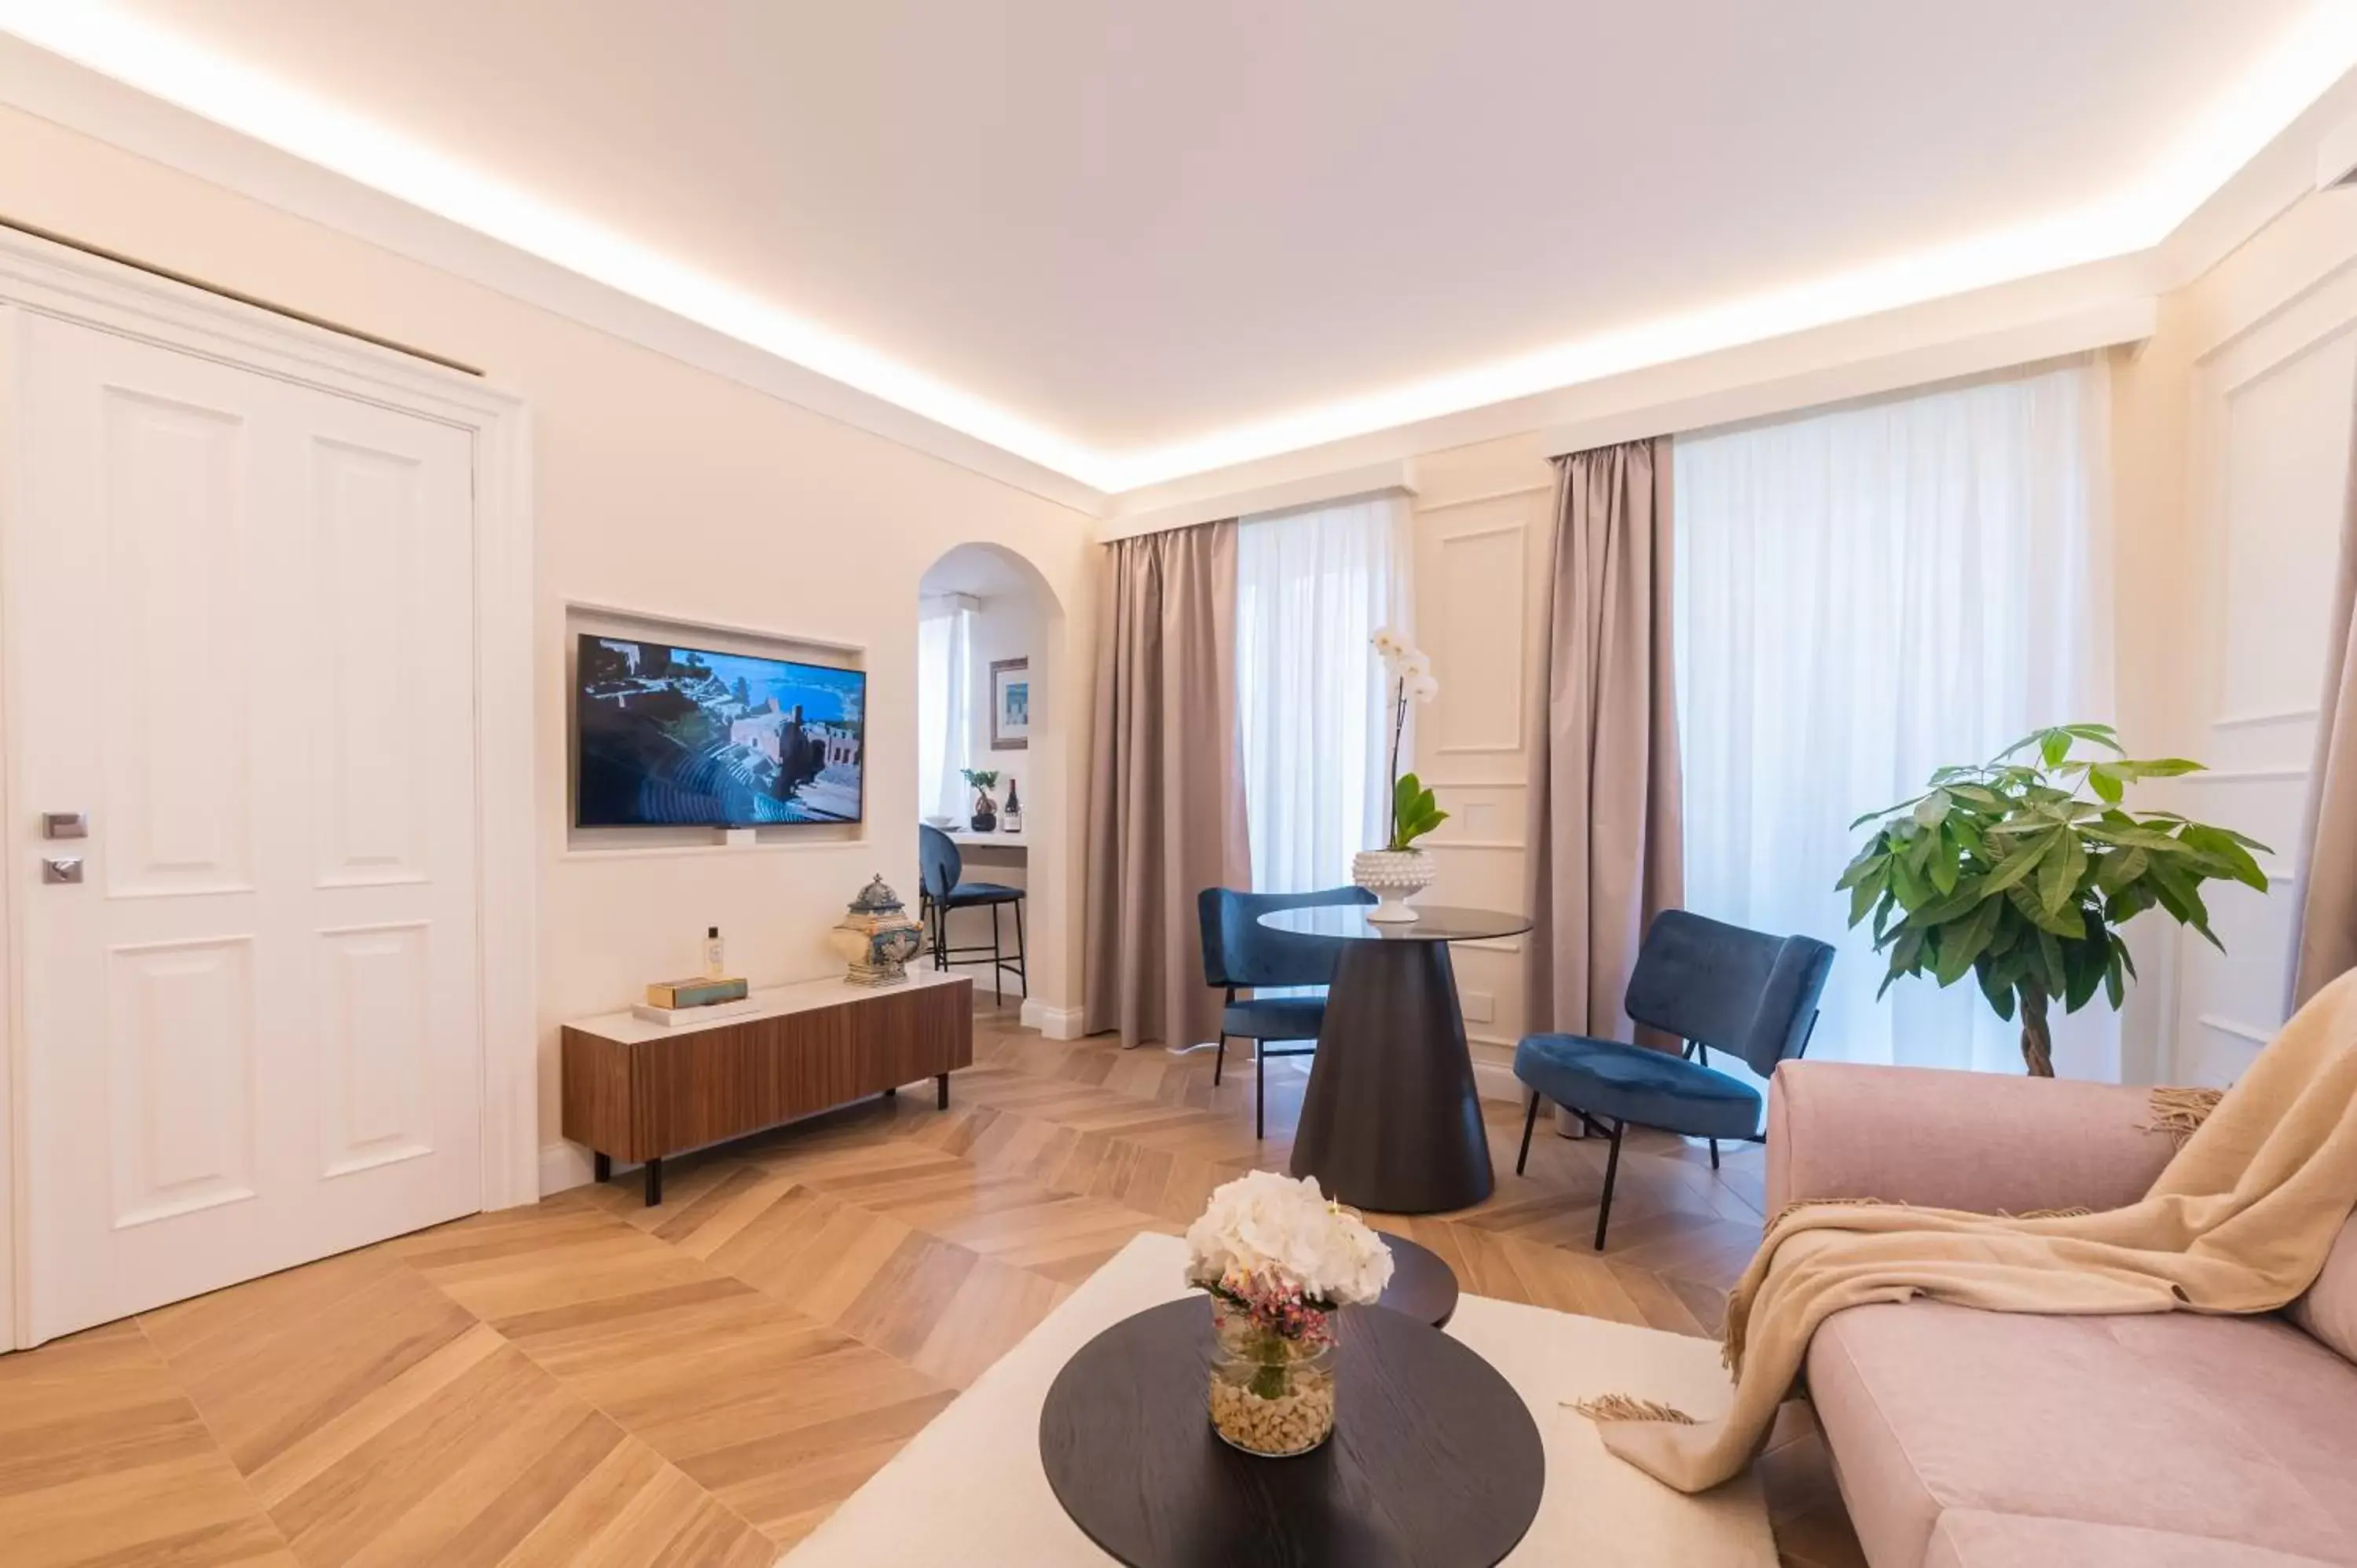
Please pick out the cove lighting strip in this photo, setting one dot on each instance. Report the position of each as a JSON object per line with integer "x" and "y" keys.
{"x": 99, "y": 34}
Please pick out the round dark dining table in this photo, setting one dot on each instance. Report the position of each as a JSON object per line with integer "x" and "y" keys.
{"x": 1392, "y": 1120}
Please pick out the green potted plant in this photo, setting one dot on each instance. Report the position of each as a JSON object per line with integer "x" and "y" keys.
{"x": 2021, "y": 869}
{"x": 1399, "y": 871}
{"x": 985, "y": 810}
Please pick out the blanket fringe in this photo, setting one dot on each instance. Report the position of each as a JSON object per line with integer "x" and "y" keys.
{"x": 1627, "y": 1407}
{"x": 2180, "y": 1112}
{"x": 2073, "y": 1212}
{"x": 1798, "y": 1204}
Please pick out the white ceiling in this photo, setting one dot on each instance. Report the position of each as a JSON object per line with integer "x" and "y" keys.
{"x": 1138, "y": 239}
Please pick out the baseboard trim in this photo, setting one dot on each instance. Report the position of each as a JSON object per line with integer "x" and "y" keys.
{"x": 1492, "y": 1080}
{"x": 1056, "y": 1023}
{"x": 564, "y": 1164}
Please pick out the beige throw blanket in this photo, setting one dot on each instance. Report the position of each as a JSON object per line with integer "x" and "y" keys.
{"x": 2240, "y": 1221}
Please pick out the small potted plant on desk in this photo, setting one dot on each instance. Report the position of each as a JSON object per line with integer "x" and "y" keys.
{"x": 985, "y": 810}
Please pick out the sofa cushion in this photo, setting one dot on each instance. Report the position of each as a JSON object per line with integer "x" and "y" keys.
{"x": 2329, "y": 1310}
{"x": 1970, "y": 1538}
{"x": 2233, "y": 1429}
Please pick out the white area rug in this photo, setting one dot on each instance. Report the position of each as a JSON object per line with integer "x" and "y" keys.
{"x": 969, "y": 1488}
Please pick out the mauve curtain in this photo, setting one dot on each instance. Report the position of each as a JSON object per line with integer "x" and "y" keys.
{"x": 1603, "y": 831}
{"x": 1165, "y": 811}
{"x": 2327, "y": 863}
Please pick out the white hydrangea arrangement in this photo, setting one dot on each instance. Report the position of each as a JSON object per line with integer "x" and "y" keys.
{"x": 1282, "y": 1249}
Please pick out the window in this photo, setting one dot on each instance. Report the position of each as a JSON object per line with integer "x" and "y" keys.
{"x": 944, "y": 695}
{"x": 1311, "y": 590}
{"x": 1863, "y": 594}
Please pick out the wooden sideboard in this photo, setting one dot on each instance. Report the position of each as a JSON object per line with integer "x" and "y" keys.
{"x": 636, "y": 1090}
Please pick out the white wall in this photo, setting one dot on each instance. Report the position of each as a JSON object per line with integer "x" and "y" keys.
{"x": 2234, "y": 442}
{"x": 1006, "y": 626}
{"x": 1481, "y": 516}
{"x": 670, "y": 491}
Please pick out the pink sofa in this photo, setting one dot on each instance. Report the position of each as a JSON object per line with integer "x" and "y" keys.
{"x": 1964, "y": 1438}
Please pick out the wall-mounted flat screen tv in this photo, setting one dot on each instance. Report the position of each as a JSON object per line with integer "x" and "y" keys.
{"x": 669, "y": 736}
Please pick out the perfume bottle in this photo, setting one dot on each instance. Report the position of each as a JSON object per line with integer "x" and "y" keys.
{"x": 1010, "y": 820}
{"x": 715, "y": 955}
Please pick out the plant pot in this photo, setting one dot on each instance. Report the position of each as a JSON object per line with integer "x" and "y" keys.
{"x": 985, "y": 815}
{"x": 1270, "y": 1394}
{"x": 1394, "y": 876}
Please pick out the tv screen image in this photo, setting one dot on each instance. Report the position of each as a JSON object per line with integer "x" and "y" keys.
{"x": 670, "y": 736}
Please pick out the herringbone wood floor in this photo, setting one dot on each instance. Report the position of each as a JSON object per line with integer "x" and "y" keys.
{"x": 591, "y": 1382}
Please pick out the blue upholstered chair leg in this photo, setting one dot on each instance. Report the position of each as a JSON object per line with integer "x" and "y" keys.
{"x": 997, "y": 974}
{"x": 1260, "y": 1091}
{"x": 1611, "y": 1173}
{"x": 1702, "y": 1055}
{"x": 1220, "y": 1062}
{"x": 1530, "y": 1120}
{"x": 1022, "y": 952}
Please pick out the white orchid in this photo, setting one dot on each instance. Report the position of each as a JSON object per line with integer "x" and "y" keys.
{"x": 1272, "y": 1229}
{"x": 1405, "y": 666}
{"x": 1408, "y": 670}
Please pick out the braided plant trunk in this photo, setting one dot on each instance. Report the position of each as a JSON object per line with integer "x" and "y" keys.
{"x": 2037, "y": 1040}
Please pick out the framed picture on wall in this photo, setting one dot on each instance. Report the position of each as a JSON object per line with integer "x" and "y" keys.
{"x": 1010, "y": 704}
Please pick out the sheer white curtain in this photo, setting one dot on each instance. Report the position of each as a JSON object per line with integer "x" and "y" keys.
{"x": 1311, "y": 588}
{"x": 1863, "y": 594}
{"x": 944, "y": 701}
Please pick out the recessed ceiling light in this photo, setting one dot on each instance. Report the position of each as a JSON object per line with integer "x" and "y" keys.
{"x": 2314, "y": 54}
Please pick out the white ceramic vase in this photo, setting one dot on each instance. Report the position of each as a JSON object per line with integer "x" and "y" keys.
{"x": 1394, "y": 876}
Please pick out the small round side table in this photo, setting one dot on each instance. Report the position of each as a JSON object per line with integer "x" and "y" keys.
{"x": 1422, "y": 1285}
{"x": 1435, "y": 1461}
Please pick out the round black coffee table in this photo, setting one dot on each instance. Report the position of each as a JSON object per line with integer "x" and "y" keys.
{"x": 1435, "y": 1461}
{"x": 1391, "y": 1120}
{"x": 1422, "y": 1285}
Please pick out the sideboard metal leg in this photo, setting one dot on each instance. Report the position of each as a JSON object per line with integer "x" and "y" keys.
{"x": 654, "y": 1181}
{"x": 893, "y": 1093}
{"x": 605, "y": 1167}
{"x": 943, "y": 1079}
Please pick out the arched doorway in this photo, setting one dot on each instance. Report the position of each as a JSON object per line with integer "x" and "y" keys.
{"x": 995, "y": 700}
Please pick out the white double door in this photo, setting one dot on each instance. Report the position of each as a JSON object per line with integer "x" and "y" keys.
{"x": 238, "y": 638}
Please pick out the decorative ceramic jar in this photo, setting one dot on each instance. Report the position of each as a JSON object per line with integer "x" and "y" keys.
{"x": 878, "y": 936}
{"x": 1271, "y": 1394}
{"x": 1394, "y": 876}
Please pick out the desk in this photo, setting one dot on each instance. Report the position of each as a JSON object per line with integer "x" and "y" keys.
{"x": 995, "y": 847}
{"x": 1392, "y": 1119}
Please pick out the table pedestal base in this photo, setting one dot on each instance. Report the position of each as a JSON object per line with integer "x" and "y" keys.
{"x": 1392, "y": 1120}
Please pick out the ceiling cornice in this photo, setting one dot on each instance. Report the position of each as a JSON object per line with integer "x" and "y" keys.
{"x": 80, "y": 99}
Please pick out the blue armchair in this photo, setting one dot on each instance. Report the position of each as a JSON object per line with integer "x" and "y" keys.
{"x": 1713, "y": 986}
{"x": 1239, "y": 952}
